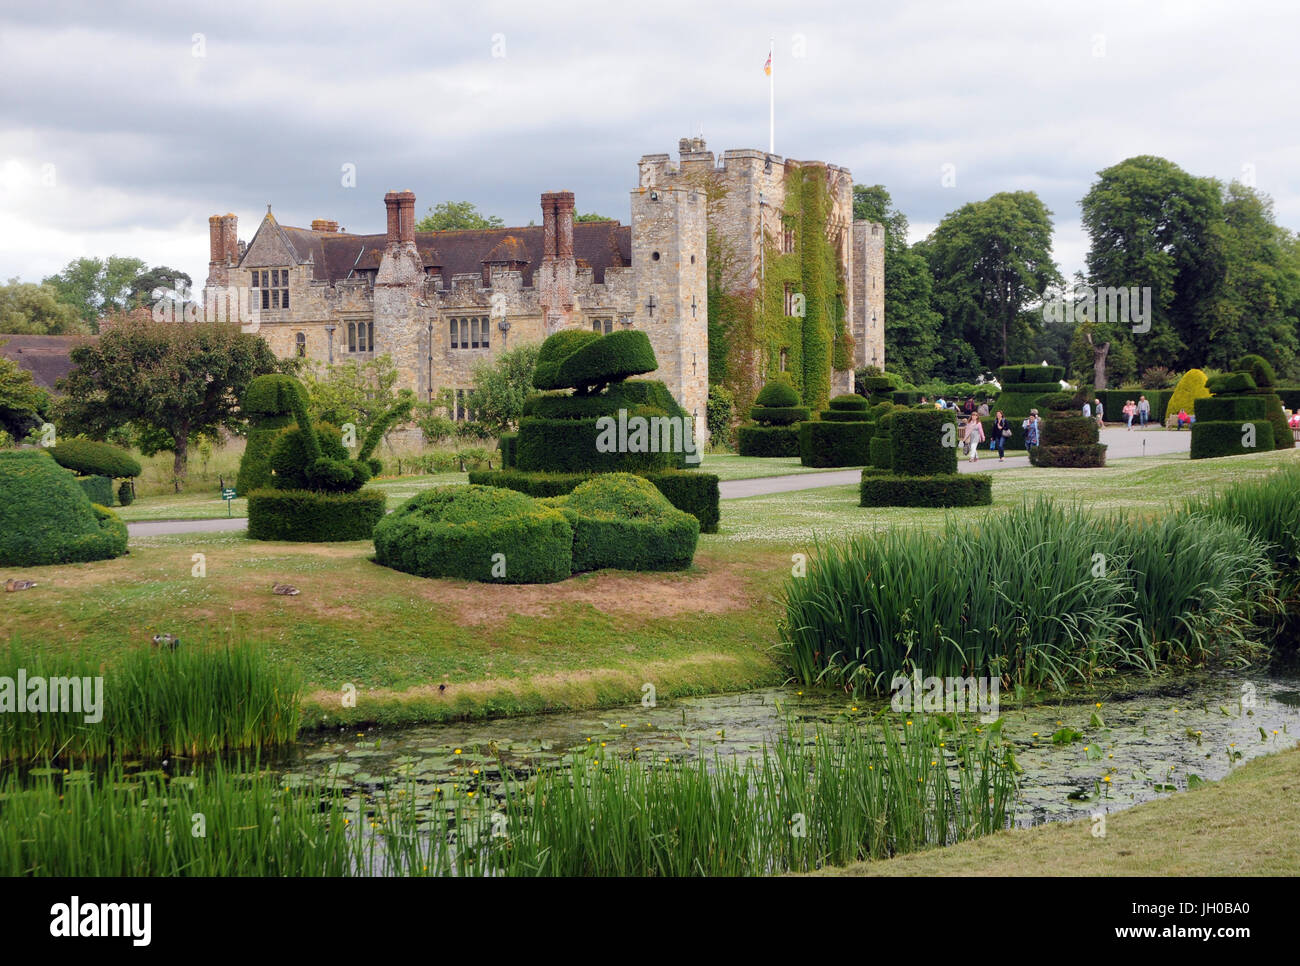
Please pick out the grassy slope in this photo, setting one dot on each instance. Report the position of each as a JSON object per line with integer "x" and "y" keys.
{"x": 1246, "y": 824}
{"x": 590, "y": 641}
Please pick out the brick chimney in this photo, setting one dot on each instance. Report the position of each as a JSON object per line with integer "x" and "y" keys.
{"x": 401, "y": 216}
{"x": 223, "y": 247}
{"x": 324, "y": 224}
{"x": 556, "y": 277}
{"x": 557, "y": 225}
{"x": 230, "y": 228}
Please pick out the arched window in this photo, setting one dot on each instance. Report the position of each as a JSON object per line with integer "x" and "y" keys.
{"x": 301, "y": 341}
{"x": 352, "y": 337}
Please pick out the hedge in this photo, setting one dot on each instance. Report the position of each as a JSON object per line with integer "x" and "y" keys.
{"x": 843, "y": 416}
{"x": 849, "y": 401}
{"x": 834, "y": 444}
{"x": 907, "y": 397}
{"x": 98, "y": 489}
{"x": 622, "y": 521}
{"x": 1067, "y": 430}
{"x": 308, "y": 516}
{"x": 1113, "y": 401}
{"x": 1030, "y": 388}
{"x": 947, "y": 490}
{"x": 1220, "y": 409}
{"x": 1018, "y": 404}
{"x": 691, "y": 492}
{"x": 917, "y": 438}
{"x": 125, "y": 493}
{"x": 86, "y": 457}
{"x": 767, "y": 441}
{"x": 1068, "y": 456}
{"x": 623, "y": 395}
{"x": 880, "y": 385}
{"x": 255, "y": 464}
{"x": 473, "y": 532}
{"x": 569, "y": 446}
{"x": 555, "y": 349}
{"x": 1030, "y": 373}
{"x": 509, "y": 443}
{"x": 46, "y": 517}
{"x": 881, "y": 451}
{"x": 780, "y": 415}
{"x": 1283, "y": 438}
{"x": 1213, "y": 439}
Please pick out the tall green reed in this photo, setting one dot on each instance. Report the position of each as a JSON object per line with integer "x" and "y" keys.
{"x": 194, "y": 700}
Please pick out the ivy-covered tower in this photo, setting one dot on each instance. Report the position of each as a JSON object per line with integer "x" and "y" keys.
{"x": 795, "y": 285}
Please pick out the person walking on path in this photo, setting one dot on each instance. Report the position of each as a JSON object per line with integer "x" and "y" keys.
{"x": 1099, "y": 416}
{"x": 1130, "y": 410}
{"x": 1031, "y": 427}
{"x": 1144, "y": 411}
{"x": 1087, "y": 409}
{"x": 974, "y": 436}
{"x": 1001, "y": 430}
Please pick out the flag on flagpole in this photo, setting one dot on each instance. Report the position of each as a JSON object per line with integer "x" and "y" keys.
{"x": 767, "y": 68}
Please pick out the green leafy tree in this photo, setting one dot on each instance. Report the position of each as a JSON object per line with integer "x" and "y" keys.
{"x": 351, "y": 392}
{"x": 160, "y": 277}
{"x": 22, "y": 402}
{"x": 30, "y": 309}
{"x": 451, "y": 215}
{"x": 178, "y": 379}
{"x": 592, "y": 216}
{"x": 991, "y": 260}
{"x": 94, "y": 287}
{"x": 1151, "y": 224}
{"x": 501, "y": 386}
{"x": 911, "y": 324}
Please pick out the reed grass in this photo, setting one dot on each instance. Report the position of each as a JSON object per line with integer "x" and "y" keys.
{"x": 195, "y": 700}
{"x": 829, "y": 796}
{"x": 1042, "y": 595}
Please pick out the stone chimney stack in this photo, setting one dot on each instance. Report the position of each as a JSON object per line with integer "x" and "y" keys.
{"x": 216, "y": 241}
{"x": 401, "y": 217}
{"x": 557, "y": 225}
{"x": 230, "y": 229}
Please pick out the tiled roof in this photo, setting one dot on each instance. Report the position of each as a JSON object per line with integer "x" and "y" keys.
{"x": 46, "y": 357}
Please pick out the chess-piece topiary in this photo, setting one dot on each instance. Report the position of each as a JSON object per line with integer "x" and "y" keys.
{"x": 776, "y": 414}
{"x": 922, "y": 467}
{"x": 1233, "y": 421}
{"x": 840, "y": 435}
{"x": 1067, "y": 437}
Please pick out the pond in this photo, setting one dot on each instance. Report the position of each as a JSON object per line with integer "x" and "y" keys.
{"x": 1077, "y": 758}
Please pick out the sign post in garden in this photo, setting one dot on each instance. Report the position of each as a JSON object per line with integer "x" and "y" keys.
{"x": 228, "y": 494}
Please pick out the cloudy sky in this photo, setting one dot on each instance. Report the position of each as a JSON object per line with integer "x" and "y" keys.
{"x": 124, "y": 125}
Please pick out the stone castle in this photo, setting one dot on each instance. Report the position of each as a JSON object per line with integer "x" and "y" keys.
{"x": 438, "y": 302}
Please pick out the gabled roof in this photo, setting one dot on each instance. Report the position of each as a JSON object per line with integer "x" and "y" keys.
{"x": 337, "y": 255}
{"x": 46, "y": 357}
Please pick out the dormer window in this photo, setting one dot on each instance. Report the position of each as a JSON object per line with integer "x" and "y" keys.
{"x": 270, "y": 288}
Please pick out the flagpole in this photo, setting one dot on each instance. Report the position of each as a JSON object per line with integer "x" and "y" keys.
{"x": 771, "y": 98}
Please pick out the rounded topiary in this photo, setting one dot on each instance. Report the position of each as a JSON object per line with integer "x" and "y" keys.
{"x": 585, "y": 364}
{"x": 778, "y": 416}
{"x": 849, "y": 401}
{"x": 89, "y": 458}
{"x": 778, "y": 393}
{"x": 557, "y": 348}
{"x": 1189, "y": 389}
{"x": 295, "y": 467}
{"x": 484, "y": 533}
{"x": 46, "y": 517}
{"x": 623, "y": 522}
{"x": 1229, "y": 384}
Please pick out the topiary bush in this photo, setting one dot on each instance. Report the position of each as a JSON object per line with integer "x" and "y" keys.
{"x": 924, "y": 442}
{"x": 1067, "y": 438}
{"x": 484, "y": 533}
{"x": 622, "y": 521}
{"x": 768, "y": 441}
{"x": 1259, "y": 369}
{"x": 98, "y": 489}
{"x": 269, "y": 403}
{"x": 1236, "y": 419}
{"x": 823, "y": 443}
{"x": 1229, "y": 438}
{"x": 776, "y": 412}
{"x": 86, "y": 457}
{"x": 1189, "y": 389}
{"x": 690, "y": 492}
{"x": 309, "y": 516}
{"x": 1022, "y": 385}
{"x": 314, "y": 489}
{"x": 778, "y": 393}
{"x": 954, "y": 489}
{"x": 46, "y": 517}
{"x": 125, "y": 493}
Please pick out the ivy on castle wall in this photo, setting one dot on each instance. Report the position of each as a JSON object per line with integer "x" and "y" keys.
{"x": 749, "y": 329}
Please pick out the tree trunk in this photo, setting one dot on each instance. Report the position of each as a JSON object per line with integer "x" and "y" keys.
{"x": 180, "y": 464}
{"x": 1099, "y": 353}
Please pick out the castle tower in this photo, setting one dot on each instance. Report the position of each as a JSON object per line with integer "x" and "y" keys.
{"x": 669, "y": 232}
{"x": 400, "y": 329}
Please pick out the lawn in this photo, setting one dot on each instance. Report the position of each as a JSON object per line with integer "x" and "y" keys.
{"x": 590, "y": 641}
